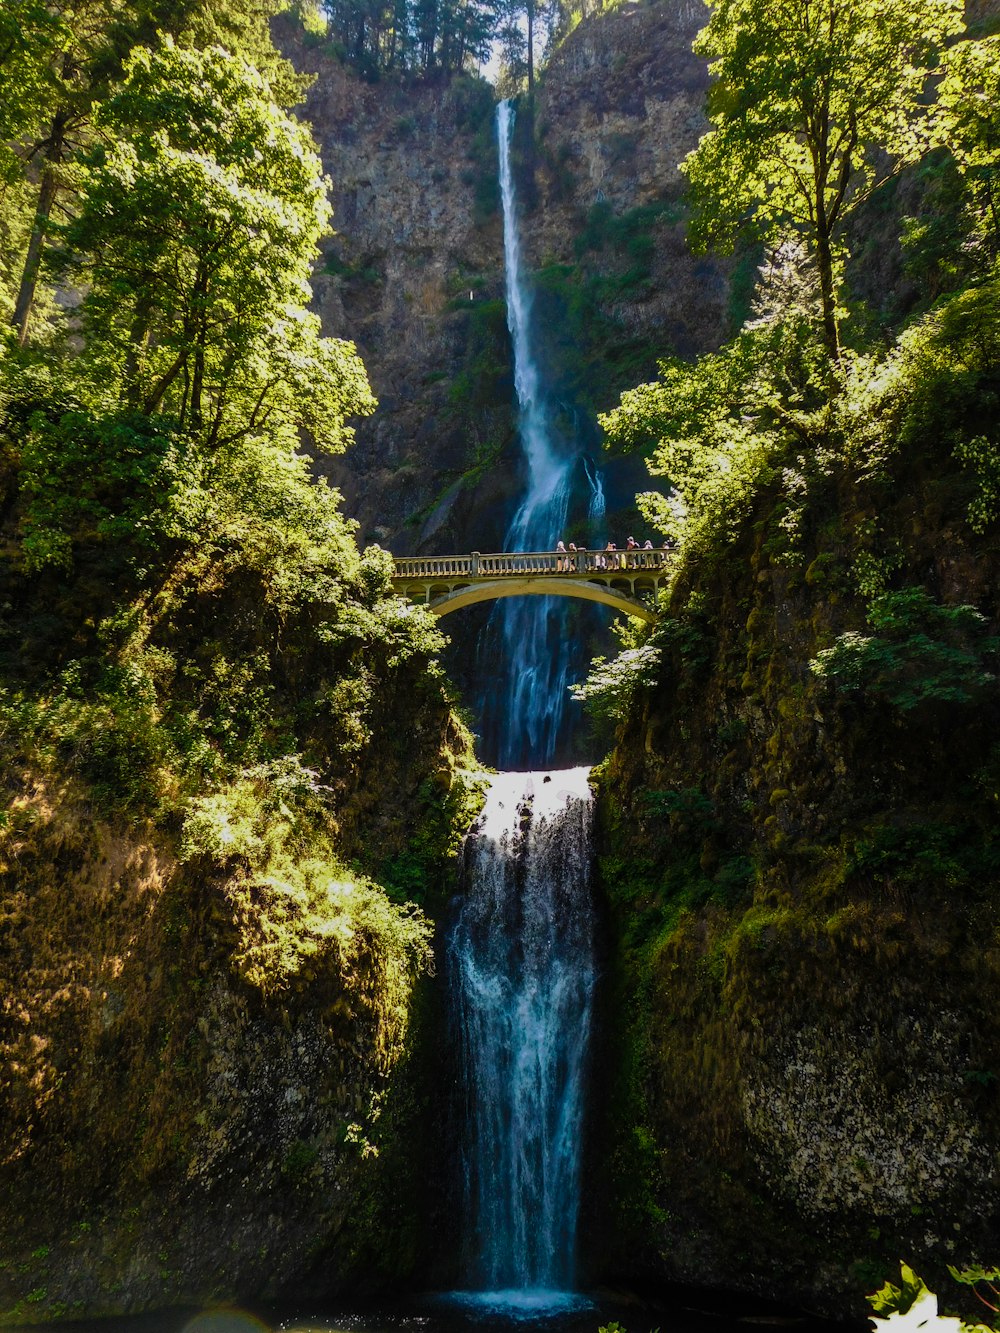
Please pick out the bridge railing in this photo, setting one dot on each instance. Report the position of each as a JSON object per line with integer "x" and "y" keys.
{"x": 509, "y": 563}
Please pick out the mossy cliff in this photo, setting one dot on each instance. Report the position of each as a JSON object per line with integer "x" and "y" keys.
{"x": 232, "y": 784}
{"x": 800, "y": 861}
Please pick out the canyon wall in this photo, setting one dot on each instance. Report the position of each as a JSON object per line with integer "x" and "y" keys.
{"x": 414, "y": 273}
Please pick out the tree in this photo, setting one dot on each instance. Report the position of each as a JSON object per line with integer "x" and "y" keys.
{"x": 815, "y": 104}
{"x": 424, "y": 36}
{"x": 59, "y": 60}
{"x": 525, "y": 25}
{"x": 31, "y": 36}
{"x": 970, "y": 99}
{"x": 199, "y": 215}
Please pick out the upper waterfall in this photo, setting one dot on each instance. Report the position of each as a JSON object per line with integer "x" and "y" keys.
{"x": 542, "y": 513}
{"x": 524, "y": 716}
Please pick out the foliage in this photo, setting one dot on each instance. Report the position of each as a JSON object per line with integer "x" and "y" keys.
{"x": 420, "y": 36}
{"x": 611, "y": 687}
{"x": 921, "y": 653}
{"x": 716, "y": 430}
{"x": 424, "y": 871}
{"x": 125, "y": 479}
{"x": 813, "y": 106}
{"x": 60, "y": 61}
{"x": 184, "y": 602}
{"x": 936, "y": 385}
{"x": 270, "y": 829}
{"x": 32, "y": 34}
{"x": 197, "y": 228}
{"x": 99, "y": 723}
{"x": 982, "y": 457}
{"x": 927, "y": 853}
{"x": 969, "y": 96}
{"x": 977, "y": 1277}
{"x": 911, "y": 1306}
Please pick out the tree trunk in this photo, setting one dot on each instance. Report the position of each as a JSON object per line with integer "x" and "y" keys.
{"x": 47, "y": 192}
{"x": 137, "y": 348}
{"x": 828, "y": 297}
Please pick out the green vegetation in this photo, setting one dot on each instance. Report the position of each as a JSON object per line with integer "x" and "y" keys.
{"x": 183, "y": 602}
{"x": 807, "y": 98}
{"x": 799, "y": 813}
{"x": 380, "y": 37}
{"x": 921, "y": 653}
{"x": 912, "y": 1305}
{"x": 232, "y": 766}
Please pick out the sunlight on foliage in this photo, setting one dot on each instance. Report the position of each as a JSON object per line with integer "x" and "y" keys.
{"x": 804, "y": 95}
{"x": 911, "y": 1307}
{"x": 611, "y": 685}
{"x": 921, "y": 652}
{"x": 270, "y": 833}
{"x": 717, "y": 429}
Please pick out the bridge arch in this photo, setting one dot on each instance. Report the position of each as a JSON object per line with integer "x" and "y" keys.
{"x": 447, "y": 583}
{"x": 488, "y": 591}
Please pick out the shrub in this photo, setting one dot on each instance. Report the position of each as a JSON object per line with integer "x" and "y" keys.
{"x": 921, "y": 652}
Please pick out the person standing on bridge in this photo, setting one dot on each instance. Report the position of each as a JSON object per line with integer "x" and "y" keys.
{"x": 562, "y": 564}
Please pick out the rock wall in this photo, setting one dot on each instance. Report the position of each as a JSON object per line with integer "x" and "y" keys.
{"x": 802, "y": 890}
{"x": 203, "y": 1097}
{"x": 414, "y": 273}
{"x": 621, "y": 105}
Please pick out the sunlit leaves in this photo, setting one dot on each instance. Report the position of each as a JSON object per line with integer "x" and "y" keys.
{"x": 815, "y": 103}
{"x": 32, "y": 36}
{"x": 969, "y": 96}
{"x": 200, "y": 213}
{"x": 611, "y": 686}
{"x": 713, "y": 429}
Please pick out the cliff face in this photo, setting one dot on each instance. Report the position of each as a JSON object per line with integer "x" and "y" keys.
{"x": 802, "y": 882}
{"x": 207, "y": 1007}
{"x": 415, "y": 276}
{"x": 205, "y": 1075}
{"x": 621, "y": 105}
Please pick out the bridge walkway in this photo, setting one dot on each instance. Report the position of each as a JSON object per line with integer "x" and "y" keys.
{"x": 624, "y": 580}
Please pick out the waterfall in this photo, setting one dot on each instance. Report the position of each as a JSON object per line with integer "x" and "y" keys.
{"x": 529, "y": 632}
{"x": 598, "y": 505}
{"x": 521, "y": 976}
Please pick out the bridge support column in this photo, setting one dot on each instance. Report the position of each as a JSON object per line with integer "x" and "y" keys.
{"x": 475, "y": 564}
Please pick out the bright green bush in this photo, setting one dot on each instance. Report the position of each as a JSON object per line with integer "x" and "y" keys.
{"x": 920, "y": 653}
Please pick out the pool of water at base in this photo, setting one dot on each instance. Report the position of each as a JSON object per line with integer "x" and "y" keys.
{"x": 684, "y": 1311}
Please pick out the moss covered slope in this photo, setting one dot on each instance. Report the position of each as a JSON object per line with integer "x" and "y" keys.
{"x": 232, "y": 782}
{"x": 798, "y": 827}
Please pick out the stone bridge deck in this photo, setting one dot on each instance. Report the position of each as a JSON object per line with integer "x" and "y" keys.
{"x": 625, "y": 580}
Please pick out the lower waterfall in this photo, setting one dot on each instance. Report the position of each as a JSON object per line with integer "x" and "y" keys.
{"x": 521, "y": 976}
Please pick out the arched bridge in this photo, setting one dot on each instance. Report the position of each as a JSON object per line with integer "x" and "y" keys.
{"x": 625, "y": 580}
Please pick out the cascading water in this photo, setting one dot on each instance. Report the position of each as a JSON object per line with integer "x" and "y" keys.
{"x": 521, "y": 974}
{"x": 521, "y": 964}
{"x": 598, "y": 505}
{"x": 528, "y": 634}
